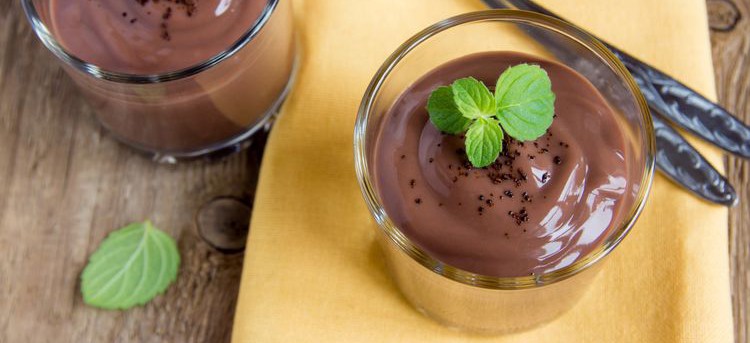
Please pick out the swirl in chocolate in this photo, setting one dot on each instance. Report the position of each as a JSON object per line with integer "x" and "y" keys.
{"x": 149, "y": 36}
{"x": 540, "y": 207}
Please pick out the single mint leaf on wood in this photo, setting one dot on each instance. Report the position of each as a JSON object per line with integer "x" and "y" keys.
{"x": 525, "y": 102}
{"x": 131, "y": 266}
{"x": 443, "y": 112}
{"x": 484, "y": 142}
{"x": 473, "y": 98}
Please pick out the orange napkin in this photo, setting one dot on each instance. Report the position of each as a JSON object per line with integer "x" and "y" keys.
{"x": 312, "y": 270}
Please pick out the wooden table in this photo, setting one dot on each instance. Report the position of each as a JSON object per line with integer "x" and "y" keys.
{"x": 65, "y": 184}
{"x": 730, "y": 36}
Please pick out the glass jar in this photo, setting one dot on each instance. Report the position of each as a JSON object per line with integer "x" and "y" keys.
{"x": 214, "y": 106}
{"x": 461, "y": 298}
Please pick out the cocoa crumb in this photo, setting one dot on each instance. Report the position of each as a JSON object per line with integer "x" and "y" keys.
{"x": 165, "y": 32}
{"x": 189, "y": 6}
{"x": 167, "y": 14}
{"x": 525, "y": 197}
{"x": 520, "y": 217}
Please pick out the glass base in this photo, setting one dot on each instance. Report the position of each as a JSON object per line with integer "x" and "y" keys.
{"x": 218, "y": 150}
{"x": 221, "y": 149}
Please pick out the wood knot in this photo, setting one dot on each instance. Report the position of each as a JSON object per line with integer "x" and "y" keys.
{"x": 224, "y": 223}
{"x": 723, "y": 15}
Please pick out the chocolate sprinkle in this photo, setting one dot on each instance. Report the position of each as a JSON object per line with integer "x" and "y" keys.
{"x": 520, "y": 217}
{"x": 189, "y": 6}
{"x": 526, "y": 197}
{"x": 167, "y": 14}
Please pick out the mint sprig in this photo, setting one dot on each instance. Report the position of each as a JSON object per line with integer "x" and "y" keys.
{"x": 523, "y": 106}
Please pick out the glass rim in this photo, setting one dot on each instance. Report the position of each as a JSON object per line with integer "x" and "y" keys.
{"x": 70, "y": 59}
{"x": 397, "y": 237}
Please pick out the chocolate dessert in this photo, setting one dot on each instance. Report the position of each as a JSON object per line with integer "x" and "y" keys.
{"x": 149, "y": 37}
{"x": 541, "y": 206}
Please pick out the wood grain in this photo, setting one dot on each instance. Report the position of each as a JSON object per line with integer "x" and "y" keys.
{"x": 65, "y": 184}
{"x": 730, "y": 38}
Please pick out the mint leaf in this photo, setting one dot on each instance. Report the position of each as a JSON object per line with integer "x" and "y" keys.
{"x": 443, "y": 112}
{"x": 130, "y": 267}
{"x": 473, "y": 98}
{"x": 484, "y": 141}
{"x": 525, "y": 102}
{"x": 523, "y": 106}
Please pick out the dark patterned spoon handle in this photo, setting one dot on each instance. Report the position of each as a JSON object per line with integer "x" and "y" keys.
{"x": 680, "y": 162}
{"x": 687, "y": 108}
{"x": 669, "y": 97}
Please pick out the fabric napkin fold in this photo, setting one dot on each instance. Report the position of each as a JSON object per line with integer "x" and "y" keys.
{"x": 313, "y": 272}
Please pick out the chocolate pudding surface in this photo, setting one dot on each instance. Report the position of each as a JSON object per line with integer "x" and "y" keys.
{"x": 540, "y": 207}
{"x": 148, "y": 36}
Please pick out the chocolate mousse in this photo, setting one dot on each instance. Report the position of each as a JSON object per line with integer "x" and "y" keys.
{"x": 150, "y": 37}
{"x": 541, "y": 206}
